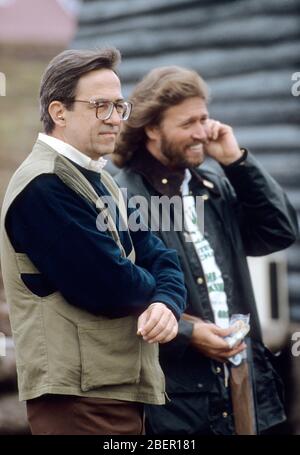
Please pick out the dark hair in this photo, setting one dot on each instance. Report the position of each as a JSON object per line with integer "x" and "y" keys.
{"x": 160, "y": 89}
{"x": 59, "y": 81}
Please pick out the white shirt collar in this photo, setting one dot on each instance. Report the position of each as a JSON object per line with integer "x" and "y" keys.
{"x": 185, "y": 184}
{"x": 72, "y": 153}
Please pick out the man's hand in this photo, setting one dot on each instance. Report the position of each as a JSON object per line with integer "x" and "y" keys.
{"x": 221, "y": 143}
{"x": 157, "y": 324}
{"x": 208, "y": 339}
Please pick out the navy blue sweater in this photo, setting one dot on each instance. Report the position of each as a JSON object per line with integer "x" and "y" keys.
{"x": 57, "y": 229}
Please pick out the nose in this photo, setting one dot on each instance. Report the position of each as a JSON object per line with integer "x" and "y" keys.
{"x": 200, "y": 132}
{"x": 114, "y": 119}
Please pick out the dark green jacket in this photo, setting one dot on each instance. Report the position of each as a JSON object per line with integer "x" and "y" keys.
{"x": 246, "y": 214}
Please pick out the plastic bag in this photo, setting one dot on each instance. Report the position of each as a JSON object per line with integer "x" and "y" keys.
{"x": 240, "y": 322}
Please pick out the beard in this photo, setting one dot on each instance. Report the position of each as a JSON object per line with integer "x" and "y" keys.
{"x": 179, "y": 156}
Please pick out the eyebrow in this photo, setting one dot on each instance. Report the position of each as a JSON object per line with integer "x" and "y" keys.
{"x": 190, "y": 119}
{"x": 106, "y": 99}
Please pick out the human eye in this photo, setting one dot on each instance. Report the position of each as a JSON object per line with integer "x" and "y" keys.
{"x": 120, "y": 106}
{"x": 102, "y": 105}
{"x": 185, "y": 125}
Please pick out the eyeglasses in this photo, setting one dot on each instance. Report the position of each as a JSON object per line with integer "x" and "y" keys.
{"x": 104, "y": 108}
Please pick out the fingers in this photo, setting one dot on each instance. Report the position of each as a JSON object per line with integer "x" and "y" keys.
{"x": 148, "y": 319}
{"x": 224, "y": 356}
{"x": 216, "y": 129}
{"x": 142, "y": 321}
{"x": 157, "y": 324}
{"x": 167, "y": 334}
{"x": 208, "y": 339}
{"x": 205, "y": 339}
{"x": 213, "y": 129}
{"x": 217, "y": 342}
{"x": 223, "y": 332}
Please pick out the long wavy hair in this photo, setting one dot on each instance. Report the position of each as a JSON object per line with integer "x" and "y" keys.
{"x": 160, "y": 89}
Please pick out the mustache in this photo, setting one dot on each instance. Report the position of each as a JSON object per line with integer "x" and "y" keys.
{"x": 195, "y": 143}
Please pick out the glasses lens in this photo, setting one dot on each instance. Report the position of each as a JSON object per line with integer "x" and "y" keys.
{"x": 104, "y": 109}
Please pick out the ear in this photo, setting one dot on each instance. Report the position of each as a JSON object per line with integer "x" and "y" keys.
{"x": 57, "y": 111}
{"x": 152, "y": 132}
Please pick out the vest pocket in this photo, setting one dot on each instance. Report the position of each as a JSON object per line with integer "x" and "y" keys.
{"x": 110, "y": 353}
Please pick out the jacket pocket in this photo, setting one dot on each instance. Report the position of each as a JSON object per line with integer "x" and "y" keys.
{"x": 110, "y": 353}
{"x": 268, "y": 388}
{"x": 273, "y": 363}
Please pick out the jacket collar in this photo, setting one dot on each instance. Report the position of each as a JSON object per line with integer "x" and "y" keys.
{"x": 166, "y": 181}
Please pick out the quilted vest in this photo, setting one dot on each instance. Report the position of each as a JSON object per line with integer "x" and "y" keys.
{"x": 61, "y": 349}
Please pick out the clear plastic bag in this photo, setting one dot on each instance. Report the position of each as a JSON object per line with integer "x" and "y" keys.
{"x": 240, "y": 322}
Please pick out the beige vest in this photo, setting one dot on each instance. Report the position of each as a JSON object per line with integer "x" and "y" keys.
{"x": 61, "y": 349}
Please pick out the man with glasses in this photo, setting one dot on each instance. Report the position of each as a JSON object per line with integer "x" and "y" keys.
{"x": 89, "y": 301}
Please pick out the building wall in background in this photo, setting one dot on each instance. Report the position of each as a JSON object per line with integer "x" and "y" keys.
{"x": 247, "y": 50}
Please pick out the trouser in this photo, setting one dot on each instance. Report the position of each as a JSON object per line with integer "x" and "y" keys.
{"x": 72, "y": 415}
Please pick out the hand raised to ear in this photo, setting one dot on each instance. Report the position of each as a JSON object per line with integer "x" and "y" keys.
{"x": 221, "y": 143}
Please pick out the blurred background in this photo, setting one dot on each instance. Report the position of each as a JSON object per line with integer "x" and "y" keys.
{"x": 247, "y": 51}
